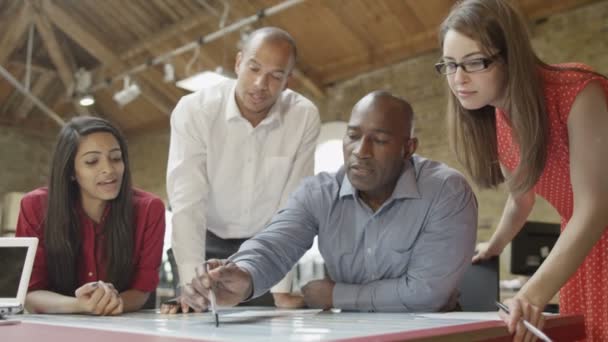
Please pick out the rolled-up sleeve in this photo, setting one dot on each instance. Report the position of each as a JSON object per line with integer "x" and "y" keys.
{"x": 437, "y": 263}
{"x": 187, "y": 187}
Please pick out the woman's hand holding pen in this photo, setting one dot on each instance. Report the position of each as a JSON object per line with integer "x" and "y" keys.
{"x": 99, "y": 298}
{"x": 521, "y": 309}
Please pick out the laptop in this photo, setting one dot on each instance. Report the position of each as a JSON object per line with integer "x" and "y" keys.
{"x": 16, "y": 260}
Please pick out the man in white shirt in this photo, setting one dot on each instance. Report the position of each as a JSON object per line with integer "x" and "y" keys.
{"x": 238, "y": 149}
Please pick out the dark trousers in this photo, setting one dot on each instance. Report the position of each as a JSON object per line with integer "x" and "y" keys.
{"x": 218, "y": 248}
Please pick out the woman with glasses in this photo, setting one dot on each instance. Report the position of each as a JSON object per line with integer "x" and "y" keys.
{"x": 542, "y": 129}
{"x": 100, "y": 240}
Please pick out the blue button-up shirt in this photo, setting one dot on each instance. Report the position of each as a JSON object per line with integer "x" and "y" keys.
{"x": 409, "y": 255}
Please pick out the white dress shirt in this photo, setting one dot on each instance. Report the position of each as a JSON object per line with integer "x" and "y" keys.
{"x": 229, "y": 177}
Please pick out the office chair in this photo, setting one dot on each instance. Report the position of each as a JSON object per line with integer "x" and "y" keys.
{"x": 174, "y": 272}
{"x": 479, "y": 287}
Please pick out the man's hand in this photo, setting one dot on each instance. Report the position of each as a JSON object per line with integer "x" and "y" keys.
{"x": 288, "y": 300}
{"x": 175, "y": 306}
{"x": 230, "y": 283}
{"x": 318, "y": 294}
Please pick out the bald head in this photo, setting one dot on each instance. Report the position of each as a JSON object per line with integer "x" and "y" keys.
{"x": 272, "y": 35}
{"x": 377, "y": 145}
{"x": 391, "y": 105}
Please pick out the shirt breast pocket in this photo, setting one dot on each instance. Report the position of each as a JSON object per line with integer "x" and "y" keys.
{"x": 275, "y": 172}
{"x": 400, "y": 246}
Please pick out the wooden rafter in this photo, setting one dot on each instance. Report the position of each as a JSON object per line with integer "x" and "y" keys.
{"x": 166, "y": 34}
{"x": 99, "y": 50}
{"x": 40, "y": 86}
{"x": 35, "y": 67}
{"x": 554, "y": 7}
{"x": 57, "y": 54}
{"x": 351, "y": 66}
{"x": 308, "y": 83}
{"x": 18, "y": 26}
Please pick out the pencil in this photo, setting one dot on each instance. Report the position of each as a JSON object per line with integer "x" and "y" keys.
{"x": 211, "y": 299}
{"x": 537, "y": 332}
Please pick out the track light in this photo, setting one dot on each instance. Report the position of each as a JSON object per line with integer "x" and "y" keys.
{"x": 169, "y": 73}
{"x": 129, "y": 92}
{"x": 202, "y": 80}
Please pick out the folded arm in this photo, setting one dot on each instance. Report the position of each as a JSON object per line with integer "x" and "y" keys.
{"x": 438, "y": 261}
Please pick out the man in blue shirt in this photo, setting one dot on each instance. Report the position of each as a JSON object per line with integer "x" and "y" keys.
{"x": 396, "y": 231}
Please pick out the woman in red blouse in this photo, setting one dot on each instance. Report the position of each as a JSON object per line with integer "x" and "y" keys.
{"x": 100, "y": 240}
{"x": 507, "y": 106}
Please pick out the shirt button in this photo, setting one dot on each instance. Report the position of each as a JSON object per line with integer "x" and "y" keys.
{"x": 369, "y": 250}
{"x": 90, "y": 274}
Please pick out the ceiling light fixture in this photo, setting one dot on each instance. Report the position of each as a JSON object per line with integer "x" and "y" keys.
{"x": 169, "y": 73}
{"x": 202, "y": 80}
{"x": 129, "y": 92}
{"x": 86, "y": 100}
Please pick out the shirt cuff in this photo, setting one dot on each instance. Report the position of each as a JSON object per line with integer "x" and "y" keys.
{"x": 285, "y": 285}
{"x": 346, "y": 296}
{"x": 252, "y": 272}
{"x": 187, "y": 272}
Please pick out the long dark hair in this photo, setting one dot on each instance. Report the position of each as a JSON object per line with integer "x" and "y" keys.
{"x": 62, "y": 225}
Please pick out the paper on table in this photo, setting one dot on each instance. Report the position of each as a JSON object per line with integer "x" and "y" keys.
{"x": 272, "y": 313}
{"x": 478, "y": 316}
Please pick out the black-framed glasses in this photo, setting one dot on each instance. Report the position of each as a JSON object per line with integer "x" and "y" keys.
{"x": 469, "y": 66}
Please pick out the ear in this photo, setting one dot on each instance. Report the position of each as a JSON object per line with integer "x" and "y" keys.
{"x": 410, "y": 147}
{"x": 288, "y": 80}
{"x": 237, "y": 63}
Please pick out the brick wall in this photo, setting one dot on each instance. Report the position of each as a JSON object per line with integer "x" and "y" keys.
{"x": 24, "y": 158}
{"x": 148, "y": 154}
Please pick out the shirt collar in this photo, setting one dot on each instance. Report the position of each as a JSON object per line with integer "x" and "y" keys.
{"x": 85, "y": 219}
{"x": 234, "y": 113}
{"x": 406, "y": 187}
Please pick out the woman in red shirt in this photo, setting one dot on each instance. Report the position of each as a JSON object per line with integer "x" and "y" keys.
{"x": 100, "y": 240}
{"x": 507, "y": 106}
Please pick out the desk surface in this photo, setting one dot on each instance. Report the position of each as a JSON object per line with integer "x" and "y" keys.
{"x": 305, "y": 326}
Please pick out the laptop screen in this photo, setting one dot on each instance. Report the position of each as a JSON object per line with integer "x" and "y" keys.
{"x": 17, "y": 256}
{"x": 13, "y": 261}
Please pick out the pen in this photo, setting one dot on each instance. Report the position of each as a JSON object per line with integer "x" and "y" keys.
{"x": 211, "y": 299}
{"x": 537, "y": 332}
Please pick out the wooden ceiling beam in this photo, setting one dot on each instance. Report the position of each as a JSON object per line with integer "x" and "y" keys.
{"x": 388, "y": 54}
{"x": 351, "y": 22}
{"x": 39, "y": 88}
{"x": 34, "y": 66}
{"x": 55, "y": 50}
{"x": 165, "y": 34}
{"x": 18, "y": 26}
{"x": 308, "y": 83}
{"x": 148, "y": 79}
{"x": 554, "y": 7}
{"x": 10, "y": 102}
